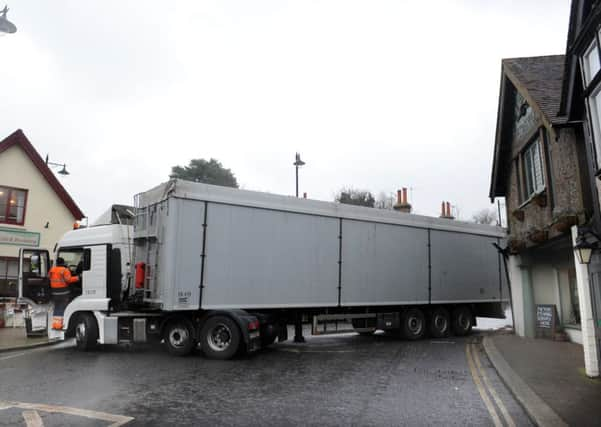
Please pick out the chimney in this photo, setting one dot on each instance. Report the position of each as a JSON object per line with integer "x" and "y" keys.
{"x": 402, "y": 205}
{"x": 445, "y": 208}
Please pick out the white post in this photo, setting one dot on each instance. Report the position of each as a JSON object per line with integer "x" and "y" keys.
{"x": 589, "y": 338}
{"x": 517, "y": 291}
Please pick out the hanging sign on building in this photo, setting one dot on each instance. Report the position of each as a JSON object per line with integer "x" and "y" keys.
{"x": 19, "y": 238}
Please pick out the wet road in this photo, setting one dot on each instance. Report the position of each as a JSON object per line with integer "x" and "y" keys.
{"x": 333, "y": 380}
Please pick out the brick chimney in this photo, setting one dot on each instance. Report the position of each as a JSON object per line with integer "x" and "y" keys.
{"x": 445, "y": 210}
{"x": 402, "y": 205}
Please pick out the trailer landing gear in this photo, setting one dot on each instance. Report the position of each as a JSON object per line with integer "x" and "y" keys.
{"x": 298, "y": 329}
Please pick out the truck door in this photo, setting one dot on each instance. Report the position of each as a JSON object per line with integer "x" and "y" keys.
{"x": 34, "y": 284}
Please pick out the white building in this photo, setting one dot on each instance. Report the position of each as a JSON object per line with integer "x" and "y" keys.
{"x": 35, "y": 209}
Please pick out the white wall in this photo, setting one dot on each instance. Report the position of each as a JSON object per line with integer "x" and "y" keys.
{"x": 544, "y": 284}
{"x": 43, "y": 204}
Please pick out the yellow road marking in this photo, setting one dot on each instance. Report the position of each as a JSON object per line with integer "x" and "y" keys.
{"x": 32, "y": 419}
{"x": 489, "y": 406}
{"x": 116, "y": 420}
{"x": 492, "y": 391}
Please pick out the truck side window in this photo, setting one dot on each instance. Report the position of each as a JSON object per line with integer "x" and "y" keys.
{"x": 75, "y": 259}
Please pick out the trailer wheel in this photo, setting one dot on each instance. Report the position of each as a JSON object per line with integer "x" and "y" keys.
{"x": 179, "y": 337}
{"x": 86, "y": 332}
{"x": 462, "y": 321}
{"x": 440, "y": 322}
{"x": 220, "y": 338}
{"x": 413, "y": 324}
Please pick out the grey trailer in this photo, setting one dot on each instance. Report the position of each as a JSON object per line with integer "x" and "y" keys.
{"x": 214, "y": 247}
{"x": 210, "y": 248}
{"x": 228, "y": 270}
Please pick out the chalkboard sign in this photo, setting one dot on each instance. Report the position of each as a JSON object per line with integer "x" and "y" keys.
{"x": 546, "y": 319}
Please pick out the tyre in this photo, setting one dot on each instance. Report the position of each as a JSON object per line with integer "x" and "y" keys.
{"x": 413, "y": 324}
{"x": 362, "y": 328}
{"x": 179, "y": 337}
{"x": 86, "y": 332}
{"x": 220, "y": 338}
{"x": 462, "y": 320}
{"x": 439, "y": 323}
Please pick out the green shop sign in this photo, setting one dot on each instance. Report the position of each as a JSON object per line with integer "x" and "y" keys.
{"x": 19, "y": 238}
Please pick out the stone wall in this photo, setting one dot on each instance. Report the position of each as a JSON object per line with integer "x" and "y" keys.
{"x": 545, "y": 217}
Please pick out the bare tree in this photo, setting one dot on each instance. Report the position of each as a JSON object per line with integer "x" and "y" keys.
{"x": 351, "y": 196}
{"x": 385, "y": 201}
{"x": 485, "y": 216}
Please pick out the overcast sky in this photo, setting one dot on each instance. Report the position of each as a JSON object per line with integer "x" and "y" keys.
{"x": 374, "y": 94}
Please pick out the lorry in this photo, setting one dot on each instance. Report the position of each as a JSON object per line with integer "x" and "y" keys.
{"x": 228, "y": 270}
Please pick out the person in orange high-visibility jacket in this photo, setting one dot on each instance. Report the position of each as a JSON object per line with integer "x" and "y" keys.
{"x": 60, "y": 279}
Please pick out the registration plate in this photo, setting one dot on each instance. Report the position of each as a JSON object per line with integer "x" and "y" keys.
{"x": 253, "y": 335}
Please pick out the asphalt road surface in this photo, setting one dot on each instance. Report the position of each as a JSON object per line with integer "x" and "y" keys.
{"x": 329, "y": 380}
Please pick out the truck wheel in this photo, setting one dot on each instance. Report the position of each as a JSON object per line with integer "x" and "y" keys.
{"x": 86, "y": 332}
{"x": 360, "y": 326}
{"x": 462, "y": 321}
{"x": 413, "y": 324}
{"x": 179, "y": 337}
{"x": 220, "y": 338}
{"x": 440, "y": 322}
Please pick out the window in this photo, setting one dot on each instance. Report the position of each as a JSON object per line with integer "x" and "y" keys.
{"x": 76, "y": 259}
{"x": 9, "y": 271}
{"x": 590, "y": 62}
{"x": 594, "y": 104}
{"x": 534, "y": 178}
{"x": 12, "y": 205}
{"x": 574, "y": 316}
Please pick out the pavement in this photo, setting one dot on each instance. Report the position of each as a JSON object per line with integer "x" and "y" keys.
{"x": 16, "y": 339}
{"x": 547, "y": 378}
{"x": 333, "y": 380}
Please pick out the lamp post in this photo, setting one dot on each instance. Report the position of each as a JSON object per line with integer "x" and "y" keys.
{"x": 298, "y": 321}
{"x": 298, "y": 162}
{"x": 584, "y": 249}
{"x": 63, "y": 171}
{"x": 6, "y": 27}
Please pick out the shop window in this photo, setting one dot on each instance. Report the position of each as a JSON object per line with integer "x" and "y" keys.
{"x": 574, "y": 316}
{"x": 9, "y": 272}
{"x": 13, "y": 202}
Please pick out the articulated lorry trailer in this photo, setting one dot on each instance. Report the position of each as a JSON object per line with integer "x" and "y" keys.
{"x": 228, "y": 271}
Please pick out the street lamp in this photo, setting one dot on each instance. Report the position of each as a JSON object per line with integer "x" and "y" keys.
{"x": 298, "y": 162}
{"x": 6, "y": 27}
{"x": 63, "y": 171}
{"x": 584, "y": 248}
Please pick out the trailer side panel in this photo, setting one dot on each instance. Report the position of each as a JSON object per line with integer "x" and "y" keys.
{"x": 383, "y": 264}
{"x": 465, "y": 268}
{"x": 261, "y": 258}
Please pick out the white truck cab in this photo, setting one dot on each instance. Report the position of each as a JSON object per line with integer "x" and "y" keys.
{"x": 99, "y": 255}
